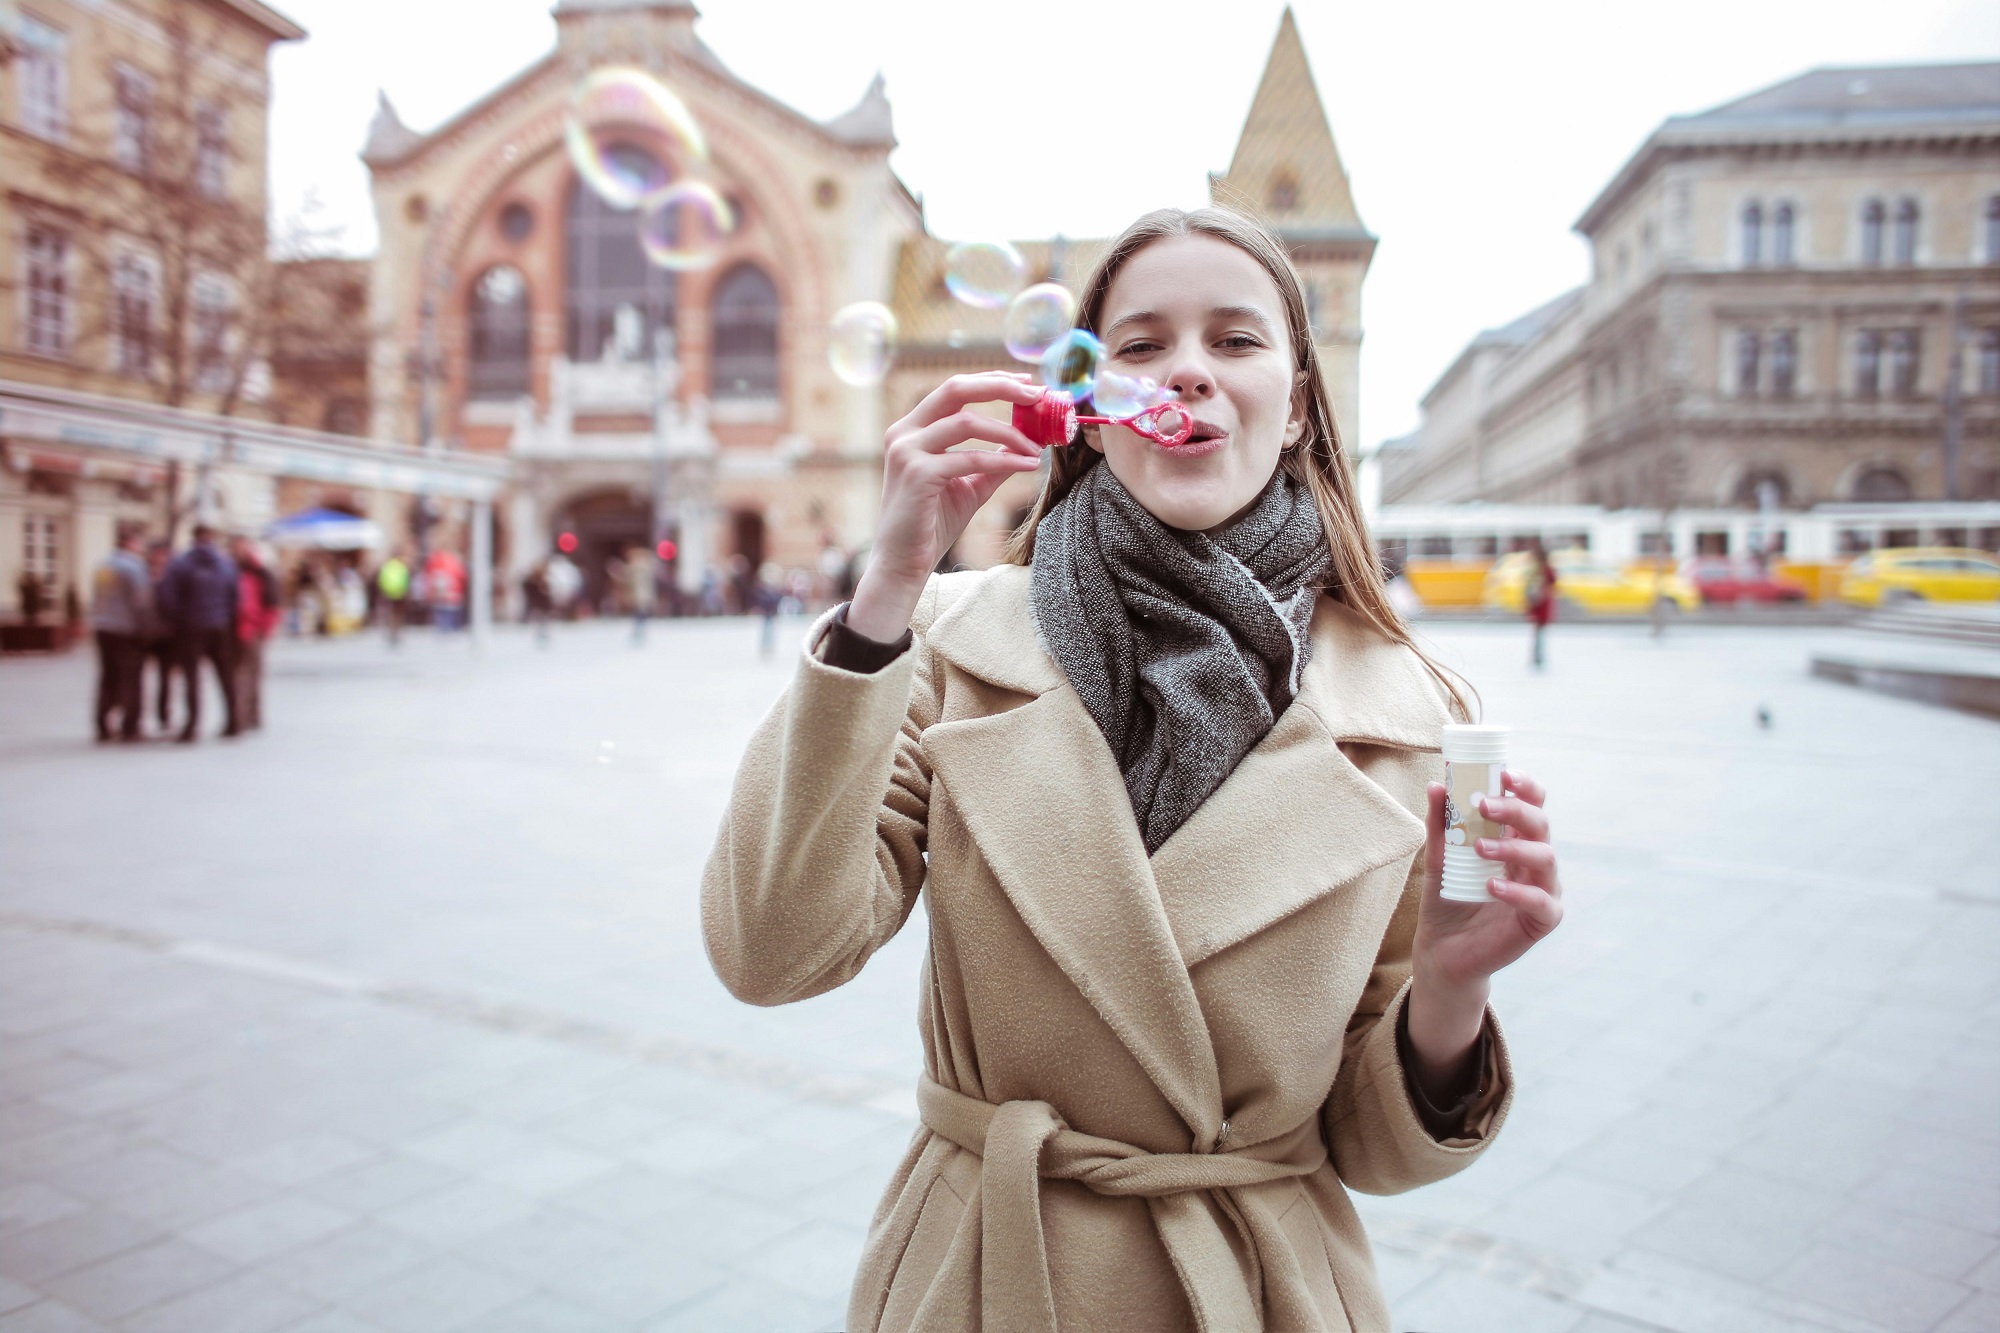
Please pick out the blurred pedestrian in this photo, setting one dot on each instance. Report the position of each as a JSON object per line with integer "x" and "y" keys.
{"x": 392, "y": 580}
{"x": 1541, "y": 595}
{"x": 157, "y": 643}
{"x": 565, "y": 582}
{"x": 258, "y": 611}
{"x": 537, "y": 601}
{"x": 444, "y": 585}
{"x": 642, "y": 587}
{"x": 198, "y": 597}
{"x": 121, "y": 598}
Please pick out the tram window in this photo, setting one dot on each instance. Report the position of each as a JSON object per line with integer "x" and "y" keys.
{"x": 1656, "y": 543}
{"x": 1900, "y": 537}
{"x": 1947, "y": 537}
{"x": 1987, "y": 539}
{"x": 1711, "y": 543}
{"x": 1481, "y": 548}
{"x": 1570, "y": 541}
{"x": 1434, "y": 548}
{"x": 1854, "y": 541}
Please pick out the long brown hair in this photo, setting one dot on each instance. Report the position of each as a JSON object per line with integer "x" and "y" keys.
{"x": 1318, "y": 461}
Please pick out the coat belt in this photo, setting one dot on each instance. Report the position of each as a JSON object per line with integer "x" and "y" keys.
{"x": 1020, "y": 1142}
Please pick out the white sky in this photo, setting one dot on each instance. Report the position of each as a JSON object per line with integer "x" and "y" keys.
{"x": 1474, "y": 132}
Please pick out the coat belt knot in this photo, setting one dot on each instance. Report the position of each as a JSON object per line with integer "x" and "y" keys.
{"x": 1020, "y": 1142}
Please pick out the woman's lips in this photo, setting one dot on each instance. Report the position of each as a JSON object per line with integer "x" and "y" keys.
{"x": 1206, "y": 439}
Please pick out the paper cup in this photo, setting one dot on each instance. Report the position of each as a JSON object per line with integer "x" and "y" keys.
{"x": 1474, "y": 757}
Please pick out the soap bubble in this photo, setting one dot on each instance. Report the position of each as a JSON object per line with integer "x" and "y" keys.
{"x": 1071, "y": 363}
{"x": 622, "y": 129}
{"x": 683, "y": 226}
{"x": 863, "y": 343}
{"x": 1116, "y": 395}
{"x": 986, "y": 274}
{"x": 1036, "y": 318}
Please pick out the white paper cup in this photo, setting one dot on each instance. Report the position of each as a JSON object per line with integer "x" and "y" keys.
{"x": 1474, "y": 757}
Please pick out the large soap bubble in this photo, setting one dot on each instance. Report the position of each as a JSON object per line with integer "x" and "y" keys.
{"x": 1036, "y": 318}
{"x": 1116, "y": 395}
{"x": 616, "y": 110}
{"x": 986, "y": 274}
{"x": 862, "y": 343}
{"x": 684, "y": 226}
{"x": 1071, "y": 363}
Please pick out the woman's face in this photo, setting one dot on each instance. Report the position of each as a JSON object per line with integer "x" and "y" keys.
{"x": 1204, "y": 319}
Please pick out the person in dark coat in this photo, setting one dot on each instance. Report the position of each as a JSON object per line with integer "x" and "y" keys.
{"x": 121, "y": 599}
{"x": 158, "y": 644}
{"x": 198, "y": 597}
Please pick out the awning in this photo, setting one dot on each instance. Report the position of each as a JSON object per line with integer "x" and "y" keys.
{"x": 324, "y": 530}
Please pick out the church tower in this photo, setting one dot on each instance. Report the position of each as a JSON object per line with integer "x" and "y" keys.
{"x": 1287, "y": 171}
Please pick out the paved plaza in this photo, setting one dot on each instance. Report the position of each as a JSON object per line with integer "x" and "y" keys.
{"x": 395, "y": 1016}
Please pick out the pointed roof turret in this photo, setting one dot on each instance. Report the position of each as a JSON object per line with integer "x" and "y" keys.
{"x": 1286, "y": 166}
{"x": 867, "y": 121}
{"x": 388, "y": 137}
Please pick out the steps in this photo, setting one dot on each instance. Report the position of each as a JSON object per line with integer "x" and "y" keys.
{"x": 1975, "y": 624}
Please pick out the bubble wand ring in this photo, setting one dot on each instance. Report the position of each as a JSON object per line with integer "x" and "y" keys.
{"x": 1052, "y": 419}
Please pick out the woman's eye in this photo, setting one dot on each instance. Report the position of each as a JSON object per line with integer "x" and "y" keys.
{"x": 1238, "y": 342}
{"x": 1138, "y": 348}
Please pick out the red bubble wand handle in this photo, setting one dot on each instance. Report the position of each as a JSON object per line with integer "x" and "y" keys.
{"x": 1052, "y": 419}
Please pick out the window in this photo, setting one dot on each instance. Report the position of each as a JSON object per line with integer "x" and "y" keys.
{"x": 213, "y": 313}
{"x": 48, "y": 295}
{"x": 1873, "y": 216}
{"x": 1883, "y": 485}
{"x": 1753, "y": 234}
{"x": 1993, "y": 230}
{"x": 1903, "y": 363}
{"x": 1284, "y": 194}
{"x": 44, "y": 66}
{"x": 500, "y": 328}
{"x": 1867, "y": 363}
{"x": 1784, "y": 363}
{"x": 1782, "y": 220}
{"x": 1747, "y": 349}
{"x": 746, "y": 335}
{"x": 211, "y": 150}
{"x": 1989, "y": 362}
{"x": 516, "y": 222}
{"x": 1906, "y": 232}
{"x": 607, "y": 270}
{"x": 132, "y": 316}
{"x": 41, "y": 551}
{"x": 132, "y": 127}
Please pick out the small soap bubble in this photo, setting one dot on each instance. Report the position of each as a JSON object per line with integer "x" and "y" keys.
{"x": 957, "y": 338}
{"x": 684, "y": 226}
{"x": 1036, "y": 318}
{"x": 1118, "y": 395}
{"x": 1071, "y": 363}
{"x": 625, "y": 130}
{"x": 862, "y": 343}
{"x": 986, "y": 274}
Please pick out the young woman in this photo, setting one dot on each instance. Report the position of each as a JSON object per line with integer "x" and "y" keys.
{"x": 1164, "y": 779}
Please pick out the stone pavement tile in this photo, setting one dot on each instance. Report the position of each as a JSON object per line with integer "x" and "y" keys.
{"x": 347, "y": 1261}
{"x": 777, "y": 1174}
{"x": 49, "y": 1317}
{"x": 1655, "y": 1291}
{"x": 58, "y": 1073}
{"x": 1835, "y": 1149}
{"x": 1986, "y": 1276}
{"x": 129, "y": 1282}
{"x": 307, "y": 1157}
{"x": 245, "y": 1303}
{"x": 14, "y": 1295}
{"x": 826, "y": 1128}
{"x": 78, "y": 1141}
{"x": 1979, "y": 1314}
{"x": 1737, "y": 1223}
{"x": 816, "y": 1260}
{"x": 629, "y": 1289}
{"x": 754, "y": 1307}
{"x": 251, "y": 1235}
{"x": 693, "y": 1148}
{"x": 1457, "y": 1300}
{"x": 1402, "y": 1274}
{"x": 459, "y": 1212}
{"x": 1889, "y": 1294}
{"x": 606, "y": 1124}
{"x": 1596, "y": 1321}
{"x": 719, "y": 1226}
{"x": 545, "y": 1245}
{"x": 1574, "y": 1215}
{"x": 26, "y": 1116}
{"x": 544, "y": 1314}
{"x": 30, "y": 1203}
{"x": 629, "y": 1197}
{"x": 185, "y": 1200}
{"x": 503, "y": 1155}
{"x": 849, "y": 1199}
{"x": 1934, "y": 1248}
{"x": 1628, "y": 1157}
{"x": 333, "y": 1321}
{"x": 1966, "y": 1203}
{"x": 38, "y": 1253}
{"x": 439, "y": 1297}
{"x": 139, "y": 1167}
{"x": 382, "y": 1182}
{"x": 118, "y": 1092}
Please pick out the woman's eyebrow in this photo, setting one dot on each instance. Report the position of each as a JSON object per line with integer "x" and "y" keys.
{"x": 1225, "y": 312}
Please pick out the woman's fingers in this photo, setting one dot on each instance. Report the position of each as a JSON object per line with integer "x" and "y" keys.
{"x": 961, "y": 391}
{"x": 942, "y": 468}
{"x": 1536, "y": 857}
{"x": 1527, "y": 821}
{"x": 1539, "y": 910}
{"x": 960, "y": 428}
{"x": 1524, "y": 787}
{"x": 1434, "y": 843}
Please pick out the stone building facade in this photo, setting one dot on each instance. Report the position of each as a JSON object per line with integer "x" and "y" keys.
{"x": 1795, "y": 295}
{"x": 494, "y": 327}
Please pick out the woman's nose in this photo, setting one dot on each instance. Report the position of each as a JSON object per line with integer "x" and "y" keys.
{"x": 1191, "y": 381}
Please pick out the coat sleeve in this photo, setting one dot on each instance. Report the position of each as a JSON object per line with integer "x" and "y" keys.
{"x": 821, "y": 853}
{"x": 1379, "y": 1144}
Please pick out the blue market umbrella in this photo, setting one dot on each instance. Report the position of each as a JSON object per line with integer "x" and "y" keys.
{"x": 324, "y": 530}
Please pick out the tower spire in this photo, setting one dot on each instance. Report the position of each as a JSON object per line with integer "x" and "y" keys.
{"x": 1286, "y": 164}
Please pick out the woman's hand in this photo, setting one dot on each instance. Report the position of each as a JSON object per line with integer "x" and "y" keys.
{"x": 1459, "y": 946}
{"x": 930, "y": 491}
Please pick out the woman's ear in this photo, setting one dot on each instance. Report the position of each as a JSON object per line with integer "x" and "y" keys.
{"x": 1088, "y": 434}
{"x": 1295, "y": 425}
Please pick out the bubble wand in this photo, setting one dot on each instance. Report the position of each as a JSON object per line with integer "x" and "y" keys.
{"x": 1052, "y": 419}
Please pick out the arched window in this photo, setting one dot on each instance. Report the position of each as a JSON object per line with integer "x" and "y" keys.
{"x": 1993, "y": 230}
{"x": 1989, "y": 362}
{"x": 1284, "y": 195}
{"x": 1873, "y": 216}
{"x": 1903, "y": 363}
{"x": 606, "y": 270}
{"x": 1747, "y": 350}
{"x": 1753, "y": 234}
{"x": 1867, "y": 363}
{"x": 1882, "y": 485}
{"x": 499, "y": 334}
{"x": 1782, "y": 219}
{"x": 1784, "y": 363}
{"x": 746, "y": 335}
{"x": 1752, "y": 485}
{"x": 1906, "y": 232}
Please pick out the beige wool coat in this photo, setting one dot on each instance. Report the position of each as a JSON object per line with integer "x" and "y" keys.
{"x": 1149, "y": 1083}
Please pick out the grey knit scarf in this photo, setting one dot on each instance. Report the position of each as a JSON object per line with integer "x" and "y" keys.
{"x": 1185, "y": 648}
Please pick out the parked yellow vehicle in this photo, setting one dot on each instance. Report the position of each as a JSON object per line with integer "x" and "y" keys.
{"x": 1922, "y": 573}
{"x": 1594, "y": 587}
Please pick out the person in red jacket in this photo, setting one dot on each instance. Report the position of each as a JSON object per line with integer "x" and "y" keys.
{"x": 1541, "y": 596}
{"x": 259, "y": 609}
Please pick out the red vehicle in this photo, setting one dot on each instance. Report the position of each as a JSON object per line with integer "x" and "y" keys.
{"x": 1721, "y": 580}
